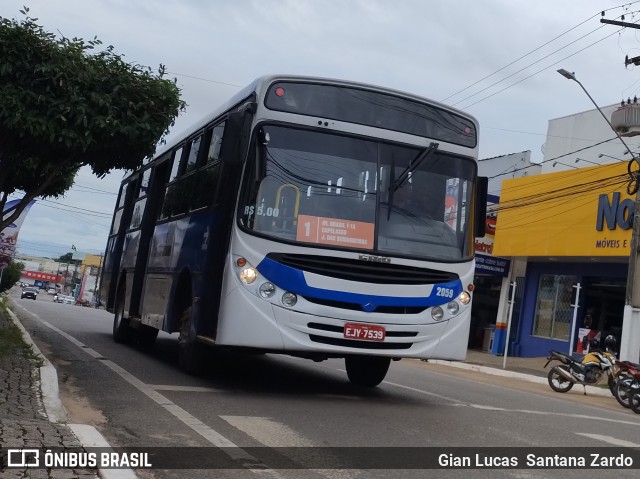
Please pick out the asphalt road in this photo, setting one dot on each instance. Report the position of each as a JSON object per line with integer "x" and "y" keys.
{"x": 139, "y": 398}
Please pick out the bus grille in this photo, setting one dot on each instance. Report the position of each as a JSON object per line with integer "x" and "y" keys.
{"x": 358, "y": 307}
{"x": 362, "y": 271}
{"x": 351, "y": 343}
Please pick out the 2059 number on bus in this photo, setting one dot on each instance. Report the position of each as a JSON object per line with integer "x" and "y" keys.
{"x": 364, "y": 332}
{"x": 444, "y": 292}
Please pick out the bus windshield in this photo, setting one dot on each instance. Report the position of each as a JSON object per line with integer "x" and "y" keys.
{"x": 340, "y": 191}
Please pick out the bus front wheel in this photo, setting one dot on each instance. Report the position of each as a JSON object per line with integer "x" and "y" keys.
{"x": 190, "y": 355}
{"x": 368, "y": 371}
{"x": 121, "y": 327}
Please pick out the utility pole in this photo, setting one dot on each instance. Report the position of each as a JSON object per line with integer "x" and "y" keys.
{"x": 95, "y": 288}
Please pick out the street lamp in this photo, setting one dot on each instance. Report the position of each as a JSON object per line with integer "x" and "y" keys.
{"x": 572, "y": 76}
{"x": 630, "y": 344}
{"x": 563, "y": 164}
{"x": 612, "y": 157}
{"x": 588, "y": 161}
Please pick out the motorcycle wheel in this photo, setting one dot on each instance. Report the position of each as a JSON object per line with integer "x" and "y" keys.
{"x": 634, "y": 401}
{"x": 557, "y": 382}
{"x": 612, "y": 382}
{"x": 621, "y": 392}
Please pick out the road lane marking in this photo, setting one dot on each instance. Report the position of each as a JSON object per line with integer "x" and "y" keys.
{"x": 272, "y": 433}
{"x": 267, "y": 431}
{"x": 212, "y": 436}
{"x": 189, "y": 389}
{"x": 609, "y": 439}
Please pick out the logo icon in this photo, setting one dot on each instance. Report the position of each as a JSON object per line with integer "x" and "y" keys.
{"x": 23, "y": 458}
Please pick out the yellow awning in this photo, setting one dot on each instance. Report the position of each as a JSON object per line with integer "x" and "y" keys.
{"x": 559, "y": 214}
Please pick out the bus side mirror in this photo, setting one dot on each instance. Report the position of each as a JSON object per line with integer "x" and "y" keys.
{"x": 236, "y": 134}
{"x": 482, "y": 187}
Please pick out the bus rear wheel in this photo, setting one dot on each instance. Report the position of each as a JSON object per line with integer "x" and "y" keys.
{"x": 190, "y": 355}
{"x": 368, "y": 371}
{"x": 147, "y": 335}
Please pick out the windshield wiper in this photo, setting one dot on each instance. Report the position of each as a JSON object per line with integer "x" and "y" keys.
{"x": 396, "y": 183}
{"x": 413, "y": 164}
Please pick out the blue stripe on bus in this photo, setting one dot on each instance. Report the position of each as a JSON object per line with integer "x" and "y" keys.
{"x": 291, "y": 279}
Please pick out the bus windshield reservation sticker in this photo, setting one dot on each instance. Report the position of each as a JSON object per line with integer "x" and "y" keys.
{"x": 335, "y": 231}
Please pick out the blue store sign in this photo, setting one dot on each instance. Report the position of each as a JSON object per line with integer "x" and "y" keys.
{"x": 492, "y": 265}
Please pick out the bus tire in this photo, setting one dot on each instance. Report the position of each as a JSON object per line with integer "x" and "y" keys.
{"x": 190, "y": 355}
{"x": 121, "y": 330}
{"x": 367, "y": 371}
{"x": 147, "y": 335}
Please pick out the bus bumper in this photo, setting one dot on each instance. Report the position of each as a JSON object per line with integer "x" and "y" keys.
{"x": 251, "y": 322}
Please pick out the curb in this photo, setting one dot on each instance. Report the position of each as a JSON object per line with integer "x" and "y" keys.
{"x": 54, "y": 409}
{"x": 595, "y": 391}
{"x": 87, "y": 435}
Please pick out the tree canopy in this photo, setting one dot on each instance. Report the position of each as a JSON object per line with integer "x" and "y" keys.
{"x": 68, "y": 258}
{"x": 10, "y": 275}
{"x": 65, "y": 105}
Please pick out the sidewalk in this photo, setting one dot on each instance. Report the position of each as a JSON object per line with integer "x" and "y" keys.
{"x": 525, "y": 369}
{"x": 31, "y": 414}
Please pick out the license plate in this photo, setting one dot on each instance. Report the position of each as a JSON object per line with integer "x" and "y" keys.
{"x": 364, "y": 332}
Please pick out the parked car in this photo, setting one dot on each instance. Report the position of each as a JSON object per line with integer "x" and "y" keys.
{"x": 51, "y": 291}
{"x": 30, "y": 292}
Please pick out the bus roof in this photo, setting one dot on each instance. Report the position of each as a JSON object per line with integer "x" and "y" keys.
{"x": 260, "y": 84}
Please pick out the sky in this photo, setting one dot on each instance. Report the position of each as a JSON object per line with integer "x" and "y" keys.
{"x": 495, "y": 59}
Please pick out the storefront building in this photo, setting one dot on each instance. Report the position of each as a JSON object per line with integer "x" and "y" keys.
{"x": 572, "y": 230}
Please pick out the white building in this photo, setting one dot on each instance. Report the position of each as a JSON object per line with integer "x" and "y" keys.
{"x": 512, "y": 165}
{"x": 584, "y": 139}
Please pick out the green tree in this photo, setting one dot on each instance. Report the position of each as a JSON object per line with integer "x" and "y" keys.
{"x": 11, "y": 275}
{"x": 67, "y": 258}
{"x": 64, "y": 105}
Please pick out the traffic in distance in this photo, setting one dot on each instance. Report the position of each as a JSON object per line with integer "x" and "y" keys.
{"x": 311, "y": 217}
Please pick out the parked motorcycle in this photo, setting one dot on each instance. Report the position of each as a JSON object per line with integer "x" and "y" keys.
{"x": 589, "y": 370}
{"x": 629, "y": 381}
{"x": 634, "y": 396}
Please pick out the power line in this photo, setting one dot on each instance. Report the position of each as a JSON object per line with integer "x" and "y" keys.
{"x": 102, "y": 214}
{"x": 537, "y": 72}
{"x": 533, "y": 51}
{"x": 529, "y": 53}
{"x": 555, "y": 158}
{"x": 205, "y": 79}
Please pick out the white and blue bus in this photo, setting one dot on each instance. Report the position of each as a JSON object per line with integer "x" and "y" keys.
{"x": 312, "y": 217}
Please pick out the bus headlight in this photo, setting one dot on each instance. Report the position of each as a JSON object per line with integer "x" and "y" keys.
{"x": 267, "y": 290}
{"x": 437, "y": 313}
{"x": 289, "y": 299}
{"x": 248, "y": 275}
{"x": 464, "y": 298}
{"x": 453, "y": 307}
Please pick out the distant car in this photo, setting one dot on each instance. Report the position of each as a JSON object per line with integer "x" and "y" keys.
{"x": 51, "y": 291}
{"x": 66, "y": 299}
{"x": 29, "y": 293}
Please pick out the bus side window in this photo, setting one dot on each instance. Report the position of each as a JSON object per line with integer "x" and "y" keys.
{"x": 203, "y": 187}
{"x": 142, "y": 186}
{"x": 192, "y": 159}
{"x": 144, "y": 183}
{"x": 169, "y": 206}
{"x": 216, "y": 143}
{"x": 175, "y": 170}
{"x": 117, "y": 217}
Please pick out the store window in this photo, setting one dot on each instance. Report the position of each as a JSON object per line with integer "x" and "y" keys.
{"x": 553, "y": 307}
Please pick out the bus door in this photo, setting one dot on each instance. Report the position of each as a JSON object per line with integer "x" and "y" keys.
{"x": 148, "y": 202}
{"x": 115, "y": 244}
